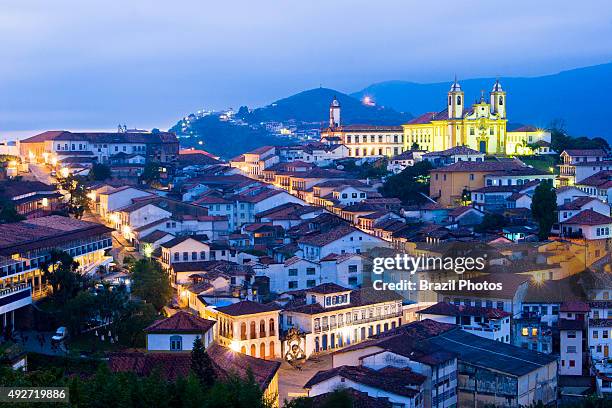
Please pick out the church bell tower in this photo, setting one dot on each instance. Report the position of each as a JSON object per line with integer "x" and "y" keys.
{"x": 498, "y": 100}
{"x": 455, "y": 101}
{"x": 334, "y": 113}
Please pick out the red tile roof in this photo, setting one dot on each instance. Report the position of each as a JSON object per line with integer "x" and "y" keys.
{"x": 585, "y": 152}
{"x": 246, "y": 307}
{"x": 588, "y": 217}
{"x": 577, "y": 203}
{"x": 181, "y": 322}
{"x": 525, "y": 128}
{"x": 488, "y": 166}
{"x": 46, "y": 232}
{"x": 104, "y": 137}
{"x": 399, "y": 381}
{"x": 323, "y": 238}
{"x": 449, "y": 309}
{"x": 175, "y": 365}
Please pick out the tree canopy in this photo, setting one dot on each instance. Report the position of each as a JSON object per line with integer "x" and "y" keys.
{"x": 409, "y": 185}
{"x": 150, "y": 282}
{"x": 544, "y": 207}
{"x": 99, "y": 172}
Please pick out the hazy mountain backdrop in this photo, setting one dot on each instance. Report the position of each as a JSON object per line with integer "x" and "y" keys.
{"x": 582, "y": 97}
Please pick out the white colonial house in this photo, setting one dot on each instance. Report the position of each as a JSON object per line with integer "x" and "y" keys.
{"x": 333, "y": 317}
{"x": 178, "y": 332}
{"x": 109, "y": 199}
{"x": 588, "y": 224}
{"x": 579, "y": 204}
{"x": 490, "y": 323}
{"x": 249, "y": 328}
{"x": 339, "y": 240}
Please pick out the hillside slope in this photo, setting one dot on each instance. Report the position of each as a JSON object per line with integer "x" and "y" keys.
{"x": 312, "y": 106}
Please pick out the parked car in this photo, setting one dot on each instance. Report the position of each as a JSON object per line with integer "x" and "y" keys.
{"x": 60, "y": 334}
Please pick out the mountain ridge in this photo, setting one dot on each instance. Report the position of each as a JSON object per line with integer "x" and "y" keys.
{"x": 570, "y": 95}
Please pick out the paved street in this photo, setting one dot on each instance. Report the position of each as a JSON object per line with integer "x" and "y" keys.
{"x": 291, "y": 380}
{"x": 40, "y": 173}
{"x": 40, "y": 342}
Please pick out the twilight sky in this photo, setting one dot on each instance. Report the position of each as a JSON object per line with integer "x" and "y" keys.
{"x": 78, "y": 64}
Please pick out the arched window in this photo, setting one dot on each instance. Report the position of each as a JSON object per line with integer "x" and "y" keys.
{"x": 253, "y": 331}
{"x": 262, "y": 328}
{"x": 450, "y": 101}
{"x": 243, "y": 350}
{"x": 458, "y": 99}
{"x": 243, "y": 331}
{"x": 262, "y": 350}
{"x": 271, "y": 349}
{"x": 317, "y": 346}
{"x": 176, "y": 343}
{"x": 501, "y": 100}
{"x": 253, "y": 350}
{"x": 271, "y": 331}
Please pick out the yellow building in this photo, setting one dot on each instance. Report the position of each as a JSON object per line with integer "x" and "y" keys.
{"x": 481, "y": 127}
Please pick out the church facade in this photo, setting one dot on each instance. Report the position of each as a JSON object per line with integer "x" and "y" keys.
{"x": 481, "y": 127}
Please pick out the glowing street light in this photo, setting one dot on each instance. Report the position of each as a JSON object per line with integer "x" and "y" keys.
{"x": 234, "y": 346}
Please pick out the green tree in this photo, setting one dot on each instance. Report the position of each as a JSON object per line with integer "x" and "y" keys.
{"x": 339, "y": 398}
{"x": 415, "y": 146}
{"x": 201, "y": 364}
{"x": 151, "y": 283}
{"x": 99, "y": 172}
{"x": 78, "y": 202}
{"x": 544, "y": 207}
{"x": 130, "y": 325}
{"x": 150, "y": 173}
{"x": 238, "y": 392}
{"x": 410, "y": 185}
{"x": 8, "y": 212}
{"x": 60, "y": 271}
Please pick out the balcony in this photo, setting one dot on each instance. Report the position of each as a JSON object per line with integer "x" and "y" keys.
{"x": 15, "y": 297}
{"x": 355, "y": 322}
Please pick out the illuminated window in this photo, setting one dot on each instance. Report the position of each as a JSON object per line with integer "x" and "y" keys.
{"x": 534, "y": 331}
{"x": 525, "y": 331}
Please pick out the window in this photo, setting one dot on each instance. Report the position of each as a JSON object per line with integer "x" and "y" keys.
{"x": 310, "y": 283}
{"x": 293, "y": 284}
{"x": 293, "y": 272}
{"x": 595, "y": 334}
{"x": 571, "y": 334}
{"x": 310, "y": 271}
{"x": 176, "y": 343}
{"x": 352, "y": 268}
{"x": 572, "y": 363}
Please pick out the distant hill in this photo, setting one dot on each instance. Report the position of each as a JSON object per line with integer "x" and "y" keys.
{"x": 581, "y": 97}
{"x": 308, "y": 109}
{"x": 313, "y": 106}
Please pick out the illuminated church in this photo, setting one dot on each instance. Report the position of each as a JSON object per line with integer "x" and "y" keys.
{"x": 481, "y": 127}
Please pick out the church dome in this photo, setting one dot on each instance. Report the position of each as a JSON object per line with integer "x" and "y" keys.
{"x": 335, "y": 103}
{"x": 497, "y": 87}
